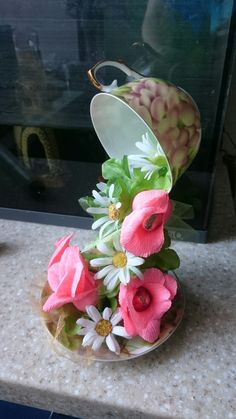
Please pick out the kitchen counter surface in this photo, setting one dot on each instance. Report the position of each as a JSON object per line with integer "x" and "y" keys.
{"x": 192, "y": 375}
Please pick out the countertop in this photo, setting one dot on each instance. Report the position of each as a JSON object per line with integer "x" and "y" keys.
{"x": 192, "y": 375}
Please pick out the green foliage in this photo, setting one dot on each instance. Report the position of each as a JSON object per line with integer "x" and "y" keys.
{"x": 166, "y": 260}
{"x": 71, "y": 328}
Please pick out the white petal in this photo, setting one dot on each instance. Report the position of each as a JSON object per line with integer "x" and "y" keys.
{"x": 101, "y": 186}
{"x": 93, "y": 313}
{"x": 99, "y": 222}
{"x": 85, "y": 323}
{"x": 112, "y": 344}
{"x": 104, "y": 227}
{"x": 135, "y": 261}
{"x": 104, "y": 271}
{"x": 116, "y": 318}
{"x": 100, "y": 262}
{"x": 124, "y": 276}
{"x": 111, "y": 190}
{"x": 96, "y": 210}
{"x": 107, "y": 312}
{"x": 137, "y": 272}
{"x": 102, "y": 200}
{"x": 104, "y": 249}
{"x": 120, "y": 331}
{"x": 146, "y": 149}
{"x": 89, "y": 338}
{"x": 113, "y": 283}
{"x": 97, "y": 343}
{"x": 117, "y": 245}
{"x": 118, "y": 205}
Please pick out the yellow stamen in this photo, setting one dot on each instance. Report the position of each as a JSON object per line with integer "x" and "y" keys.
{"x": 113, "y": 212}
{"x": 103, "y": 327}
{"x": 119, "y": 260}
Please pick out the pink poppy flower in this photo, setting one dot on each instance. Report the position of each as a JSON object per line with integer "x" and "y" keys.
{"x": 70, "y": 279}
{"x": 142, "y": 231}
{"x": 143, "y": 303}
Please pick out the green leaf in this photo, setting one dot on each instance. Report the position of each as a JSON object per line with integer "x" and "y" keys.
{"x": 167, "y": 241}
{"x": 86, "y": 202}
{"x": 113, "y": 303}
{"x": 71, "y": 328}
{"x": 114, "y": 168}
{"x": 165, "y": 260}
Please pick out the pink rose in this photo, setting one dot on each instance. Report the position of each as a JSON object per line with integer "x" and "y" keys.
{"x": 70, "y": 279}
{"x": 144, "y": 302}
{"x": 142, "y": 231}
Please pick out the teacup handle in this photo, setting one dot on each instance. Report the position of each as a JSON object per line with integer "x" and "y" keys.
{"x": 117, "y": 64}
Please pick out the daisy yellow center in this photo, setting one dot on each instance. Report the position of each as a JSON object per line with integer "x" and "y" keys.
{"x": 103, "y": 327}
{"x": 113, "y": 212}
{"x": 119, "y": 260}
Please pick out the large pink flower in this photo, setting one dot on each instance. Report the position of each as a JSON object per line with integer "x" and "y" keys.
{"x": 143, "y": 303}
{"x": 142, "y": 231}
{"x": 70, "y": 279}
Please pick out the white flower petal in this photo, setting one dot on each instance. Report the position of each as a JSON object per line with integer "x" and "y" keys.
{"x": 124, "y": 276}
{"x": 102, "y": 200}
{"x": 111, "y": 191}
{"x": 137, "y": 272}
{"x": 85, "y": 323}
{"x": 97, "y": 210}
{"x": 135, "y": 260}
{"x": 89, "y": 338}
{"x": 93, "y": 313}
{"x": 118, "y": 205}
{"x": 112, "y": 279}
{"x": 120, "y": 331}
{"x": 104, "y": 249}
{"x": 97, "y": 343}
{"x": 100, "y": 262}
{"x": 104, "y": 271}
{"x": 101, "y": 186}
{"x": 99, "y": 222}
{"x": 145, "y": 148}
{"x": 116, "y": 318}
{"x": 112, "y": 344}
{"x": 107, "y": 312}
{"x": 117, "y": 245}
{"x": 104, "y": 227}
{"x": 113, "y": 283}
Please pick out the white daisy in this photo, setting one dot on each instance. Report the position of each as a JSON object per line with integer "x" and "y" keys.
{"x": 118, "y": 264}
{"x": 150, "y": 161}
{"x": 108, "y": 207}
{"x": 102, "y": 328}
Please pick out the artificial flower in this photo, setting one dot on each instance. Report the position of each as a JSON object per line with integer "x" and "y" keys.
{"x": 102, "y": 328}
{"x": 142, "y": 231}
{"x": 108, "y": 207}
{"x": 172, "y": 116}
{"x": 69, "y": 278}
{"x": 118, "y": 264}
{"x": 143, "y": 303}
{"x": 152, "y": 159}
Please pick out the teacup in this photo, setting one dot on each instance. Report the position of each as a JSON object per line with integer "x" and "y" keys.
{"x": 122, "y": 115}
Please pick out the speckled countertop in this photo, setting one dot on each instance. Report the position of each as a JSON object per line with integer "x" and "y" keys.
{"x": 193, "y": 375}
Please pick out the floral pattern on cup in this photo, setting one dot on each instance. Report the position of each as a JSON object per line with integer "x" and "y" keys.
{"x": 171, "y": 114}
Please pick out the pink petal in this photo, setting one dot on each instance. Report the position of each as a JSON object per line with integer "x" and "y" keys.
{"x": 152, "y": 331}
{"x": 61, "y": 244}
{"x": 53, "y": 276}
{"x": 86, "y": 299}
{"x": 171, "y": 285}
{"x": 136, "y": 239}
{"x": 152, "y": 198}
{"x": 54, "y": 301}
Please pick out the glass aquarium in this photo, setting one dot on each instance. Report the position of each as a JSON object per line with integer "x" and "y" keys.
{"x": 49, "y": 152}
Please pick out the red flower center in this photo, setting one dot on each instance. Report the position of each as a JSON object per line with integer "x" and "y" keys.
{"x": 152, "y": 222}
{"x": 142, "y": 299}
